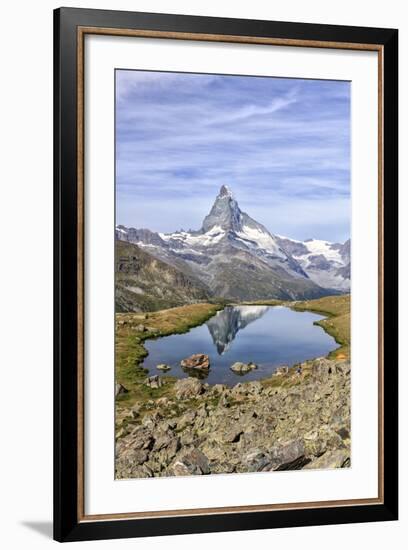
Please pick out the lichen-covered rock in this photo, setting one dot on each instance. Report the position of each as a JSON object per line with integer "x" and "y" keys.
{"x": 339, "y": 458}
{"x": 188, "y": 387}
{"x": 289, "y": 456}
{"x": 192, "y": 462}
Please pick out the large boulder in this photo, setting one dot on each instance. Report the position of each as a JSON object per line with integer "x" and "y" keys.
{"x": 288, "y": 457}
{"x": 339, "y": 458}
{"x": 256, "y": 460}
{"x": 190, "y": 463}
{"x": 198, "y": 361}
{"x": 242, "y": 368}
{"x": 188, "y": 387}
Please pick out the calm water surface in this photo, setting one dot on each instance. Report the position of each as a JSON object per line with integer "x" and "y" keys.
{"x": 267, "y": 336}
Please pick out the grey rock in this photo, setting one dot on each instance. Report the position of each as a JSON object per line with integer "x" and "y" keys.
{"x": 186, "y": 419}
{"x": 241, "y": 368}
{"x": 339, "y": 458}
{"x": 141, "y": 439}
{"x": 289, "y": 456}
{"x": 153, "y": 381}
{"x": 163, "y": 367}
{"x": 186, "y": 388}
{"x": 250, "y": 427}
{"x": 140, "y": 456}
{"x": 256, "y": 460}
{"x": 120, "y": 390}
{"x": 191, "y": 463}
{"x": 161, "y": 441}
{"x": 229, "y": 435}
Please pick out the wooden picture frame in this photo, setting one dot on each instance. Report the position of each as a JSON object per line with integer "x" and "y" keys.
{"x": 70, "y": 520}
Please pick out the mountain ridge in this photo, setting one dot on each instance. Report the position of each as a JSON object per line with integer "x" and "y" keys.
{"x": 236, "y": 257}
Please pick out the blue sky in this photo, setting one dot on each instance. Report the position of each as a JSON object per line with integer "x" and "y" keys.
{"x": 281, "y": 145}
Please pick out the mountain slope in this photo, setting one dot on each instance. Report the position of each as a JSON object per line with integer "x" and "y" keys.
{"x": 327, "y": 264}
{"x": 145, "y": 283}
{"x": 232, "y": 255}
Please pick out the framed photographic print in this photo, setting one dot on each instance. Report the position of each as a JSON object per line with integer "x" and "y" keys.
{"x": 225, "y": 274}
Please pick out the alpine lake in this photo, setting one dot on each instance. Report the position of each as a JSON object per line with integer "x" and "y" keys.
{"x": 269, "y": 336}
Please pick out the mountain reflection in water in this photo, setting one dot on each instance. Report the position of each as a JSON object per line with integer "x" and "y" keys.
{"x": 268, "y": 336}
{"x": 225, "y": 325}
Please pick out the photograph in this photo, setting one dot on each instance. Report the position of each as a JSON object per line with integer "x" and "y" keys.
{"x": 232, "y": 274}
{"x": 225, "y": 273}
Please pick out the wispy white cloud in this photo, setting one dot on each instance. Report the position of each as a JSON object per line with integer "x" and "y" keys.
{"x": 281, "y": 145}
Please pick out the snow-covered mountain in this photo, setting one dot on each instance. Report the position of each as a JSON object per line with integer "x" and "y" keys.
{"x": 326, "y": 263}
{"x": 233, "y": 255}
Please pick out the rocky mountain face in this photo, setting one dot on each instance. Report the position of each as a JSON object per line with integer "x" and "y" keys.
{"x": 327, "y": 264}
{"x": 235, "y": 257}
{"x": 145, "y": 283}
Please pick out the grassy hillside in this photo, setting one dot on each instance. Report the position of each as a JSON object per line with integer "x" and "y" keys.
{"x": 244, "y": 277}
{"x": 337, "y": 323}
{"x": 144, "y": 283}
{"x": 132, "y": 329}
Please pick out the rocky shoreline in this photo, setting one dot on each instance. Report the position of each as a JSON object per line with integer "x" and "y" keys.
{"x": 296, "y": 419}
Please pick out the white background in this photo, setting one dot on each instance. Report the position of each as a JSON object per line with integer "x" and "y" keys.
{"x": 102, "y": 493}
{"x": 26, "y": 300}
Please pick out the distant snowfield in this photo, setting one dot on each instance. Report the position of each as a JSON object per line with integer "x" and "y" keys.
{"x": 261, "y": 239}
{"x": 322, "y": 247}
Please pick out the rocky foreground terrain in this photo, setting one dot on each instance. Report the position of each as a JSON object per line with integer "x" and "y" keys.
{"x": 297, "y": 419}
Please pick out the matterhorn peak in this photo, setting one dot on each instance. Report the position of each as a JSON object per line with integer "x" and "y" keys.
{"x": 225, "y": 213}
{"x": 225, "y": 192}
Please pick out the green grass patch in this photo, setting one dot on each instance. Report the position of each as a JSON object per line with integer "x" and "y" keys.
{"x": 337, "y": 322}
{"x": 132, "y": 329}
